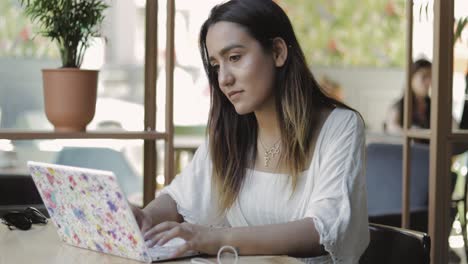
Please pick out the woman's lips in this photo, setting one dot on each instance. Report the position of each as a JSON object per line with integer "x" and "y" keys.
{"x": 234, "y": 94}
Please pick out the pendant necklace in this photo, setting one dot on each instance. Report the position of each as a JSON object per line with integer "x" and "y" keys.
{"x": 271, "y": 152}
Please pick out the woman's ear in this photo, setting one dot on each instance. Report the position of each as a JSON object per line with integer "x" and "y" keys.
{"x": 280, "y": 51}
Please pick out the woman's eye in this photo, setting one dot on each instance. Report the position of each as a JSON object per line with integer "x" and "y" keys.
{"x": 234, "y": 58}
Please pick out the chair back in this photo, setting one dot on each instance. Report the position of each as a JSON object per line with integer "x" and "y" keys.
{"x": 103, "y": 159}
{"x": 393, "y": 245}
{"x": 384, "y": 178}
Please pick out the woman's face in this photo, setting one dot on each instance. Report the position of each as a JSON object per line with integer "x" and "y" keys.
{"x": 421, "y": 82}
{"x": 245, "y": 71}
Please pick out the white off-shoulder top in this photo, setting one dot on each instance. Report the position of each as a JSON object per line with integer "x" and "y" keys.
{"x": 332, "y": 192}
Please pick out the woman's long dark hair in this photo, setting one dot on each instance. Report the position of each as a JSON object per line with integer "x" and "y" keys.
{"x": 299, "y": 99}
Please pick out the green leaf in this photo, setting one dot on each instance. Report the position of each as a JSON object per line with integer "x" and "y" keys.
{"x": 71, "y": 24}
{"x": 461, "y": 23}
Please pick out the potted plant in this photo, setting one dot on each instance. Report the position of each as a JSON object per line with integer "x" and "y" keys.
{"x": 69, "y": 92}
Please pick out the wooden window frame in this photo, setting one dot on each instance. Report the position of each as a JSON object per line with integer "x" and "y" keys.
{"x": 440, "y": 133}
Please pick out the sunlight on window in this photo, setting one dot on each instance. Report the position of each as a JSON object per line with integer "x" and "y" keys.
{"x": 464, "y": 170}
{"x": 456, "y": 241}
{"x": 160, "y": 180}
{"x": 94, "y": 56}
{"x": 5, "y": 145}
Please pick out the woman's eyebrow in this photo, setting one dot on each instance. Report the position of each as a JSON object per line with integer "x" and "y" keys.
{"x": 226, "y": 49}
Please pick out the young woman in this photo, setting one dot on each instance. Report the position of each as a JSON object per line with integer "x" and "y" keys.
{"x": 421, "y": 78}
{"x": 282, "y": 171}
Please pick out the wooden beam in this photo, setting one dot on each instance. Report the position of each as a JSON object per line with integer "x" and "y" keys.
{"x": 441, "y": 106}
{"x": 170, "y": 62}
{"x": 32, "y": 135}
{"x": 151, "y": 59}
{"x": 407, "y": 120}
{"x": 459, "y": 136}
{"x": 406, "y": 184}
{"x": 419, "y": 133}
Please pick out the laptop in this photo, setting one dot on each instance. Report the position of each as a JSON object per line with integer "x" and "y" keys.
{"x": 90, "y": 211}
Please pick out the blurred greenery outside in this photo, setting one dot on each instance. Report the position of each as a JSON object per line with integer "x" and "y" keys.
{"x": 18, "y": 36}
{"x": 370, "y": 33}
{"x": 350, "y": 33}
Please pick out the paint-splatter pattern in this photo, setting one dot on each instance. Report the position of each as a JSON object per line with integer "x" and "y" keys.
{"x": 88, "y": 210}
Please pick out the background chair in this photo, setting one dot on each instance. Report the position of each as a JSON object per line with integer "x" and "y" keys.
{"x": 392, "y": 245}
{"x": 384, "y": 184}
{"x": 103, "y": 159}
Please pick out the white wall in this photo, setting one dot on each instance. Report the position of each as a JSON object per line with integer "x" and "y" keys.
{"x": 371, "y": 91}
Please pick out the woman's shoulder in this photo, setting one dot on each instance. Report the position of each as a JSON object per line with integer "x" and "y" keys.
{"x": 342, "y": 122}
{"x": 202, "y": 152}
{"x": 343, "y": 128}
{"x": 344, "y": 117}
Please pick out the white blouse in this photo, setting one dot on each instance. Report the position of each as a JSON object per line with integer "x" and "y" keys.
{"x": 332, "y": 192}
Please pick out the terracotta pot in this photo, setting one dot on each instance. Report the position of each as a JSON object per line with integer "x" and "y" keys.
{"x": 70, "y": 97}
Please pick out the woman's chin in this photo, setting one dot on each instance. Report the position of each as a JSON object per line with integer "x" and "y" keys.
{"x": 241, "y": 110}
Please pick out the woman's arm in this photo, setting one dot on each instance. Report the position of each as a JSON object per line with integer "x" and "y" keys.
{"x": 296, "y": 238}
{"x": 162, "y": 209}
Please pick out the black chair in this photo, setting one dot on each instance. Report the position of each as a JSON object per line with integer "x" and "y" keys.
{"x": 103, "y": 159}
{"x": 393, "y": 245}
{"x": 384, "y": 184}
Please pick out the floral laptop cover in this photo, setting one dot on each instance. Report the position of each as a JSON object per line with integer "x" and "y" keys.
{"x": 89, "y": 210}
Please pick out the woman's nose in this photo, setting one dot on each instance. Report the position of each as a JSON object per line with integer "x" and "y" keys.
{"x": 225, "y": 77}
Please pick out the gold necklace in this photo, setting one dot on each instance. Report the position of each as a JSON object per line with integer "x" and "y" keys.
{"x": 271, "y": 152}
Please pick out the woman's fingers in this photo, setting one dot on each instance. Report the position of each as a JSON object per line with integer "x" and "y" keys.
{"x": 162, "y": 233}
{"x": 165, "y": 226}
{"x": 145, "y": 226}
{"x": 177, "y": 231}
{"x": 154, "y": 240}
{"x": 160, "y": 228}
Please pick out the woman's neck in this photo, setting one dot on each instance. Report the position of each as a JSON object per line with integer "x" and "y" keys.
{"x": 268, "y": 139}
{"x": 268, "y": 124}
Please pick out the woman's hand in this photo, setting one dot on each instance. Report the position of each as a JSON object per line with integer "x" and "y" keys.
{"x": 198, "y": 238}
{"x": 143, "y": 220}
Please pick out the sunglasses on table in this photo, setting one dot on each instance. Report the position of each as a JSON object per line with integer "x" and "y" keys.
{"x": 23, "y": 219}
